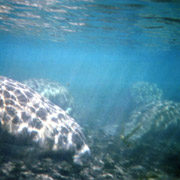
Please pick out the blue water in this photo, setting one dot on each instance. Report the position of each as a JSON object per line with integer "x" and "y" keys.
{"x": 97, "y": 47}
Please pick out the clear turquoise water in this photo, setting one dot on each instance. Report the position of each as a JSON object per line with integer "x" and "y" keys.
{"x": 95, "y": 46}
{"x": 92, "y": 45}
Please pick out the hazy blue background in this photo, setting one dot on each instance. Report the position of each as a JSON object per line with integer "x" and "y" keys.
{"x": 95, "y": 46}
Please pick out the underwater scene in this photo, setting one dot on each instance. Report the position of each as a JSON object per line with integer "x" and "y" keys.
{"x": 90, "y": 90}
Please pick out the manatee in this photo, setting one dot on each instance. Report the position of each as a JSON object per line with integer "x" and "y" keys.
{"x": 52, "y": 90}
{"x": 26, "y": 115}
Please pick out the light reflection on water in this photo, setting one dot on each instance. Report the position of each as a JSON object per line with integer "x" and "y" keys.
{"x": 107, "y": 23}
